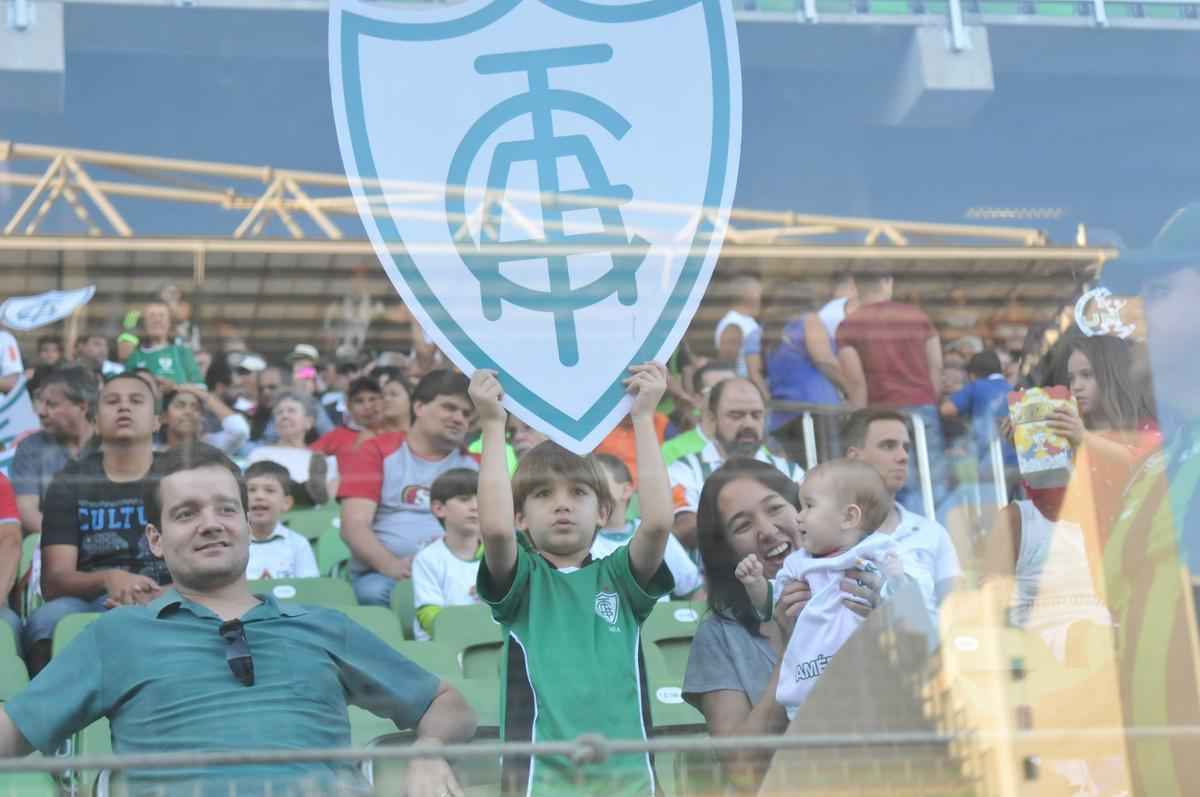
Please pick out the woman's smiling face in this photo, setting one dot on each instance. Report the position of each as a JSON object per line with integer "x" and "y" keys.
{"x": 758, "y": 520}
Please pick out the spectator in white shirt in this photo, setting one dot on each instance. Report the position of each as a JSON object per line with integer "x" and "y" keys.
{"x": 275, "y": 550}
{"x": 881, "y": 438}
{"x": 737, "y": 324}
{"x": 618, "y": 531}
{"x": 443, "y": 572}
{"x": 314, "y": 475}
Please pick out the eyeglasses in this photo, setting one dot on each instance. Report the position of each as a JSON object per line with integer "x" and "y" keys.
{"x": 237, "y": 654}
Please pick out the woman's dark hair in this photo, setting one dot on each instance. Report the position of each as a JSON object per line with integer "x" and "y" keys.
{"x": 1126, "y": 399}
{"x": 726, "y": 596}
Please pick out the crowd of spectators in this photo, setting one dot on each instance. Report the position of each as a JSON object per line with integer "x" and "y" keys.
{"x": 701, "y": 493}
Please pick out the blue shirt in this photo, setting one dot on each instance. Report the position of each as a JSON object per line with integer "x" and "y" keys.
{"x": 159, "y": 673}
{"x": 985, "y": 401}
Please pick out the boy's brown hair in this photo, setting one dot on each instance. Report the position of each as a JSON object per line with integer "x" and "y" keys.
{"x": 860, "y": 484}
{"x": 548, "y": 460}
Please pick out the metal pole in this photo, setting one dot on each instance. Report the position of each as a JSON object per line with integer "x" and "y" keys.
{"x": 810, "y": 441}
{"x": 923, "y": 466}
{"x": 959, "y": 41}
{"x": 998, "y": 479}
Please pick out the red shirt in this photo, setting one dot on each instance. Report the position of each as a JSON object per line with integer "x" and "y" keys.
{"x": 889, "y": 338}
{"x": 361, "y": 473}
{"x": 8, "y": 502}
{"x": 338, "y": 442}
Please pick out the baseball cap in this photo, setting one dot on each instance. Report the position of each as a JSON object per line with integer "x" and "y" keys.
{"x": 1176, "y": 246}
{"x": 303, "y": 351}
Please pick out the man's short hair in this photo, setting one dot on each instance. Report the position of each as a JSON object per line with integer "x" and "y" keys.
{"x": 548, "y": 460}
{"x": 860, "y": 484}
{"x": 184, "y": 458}
{"x": 78, "y": 384}
{"x": 699, "y": 374}
{"x": 714, "y": 398}
{"x": 55, "y": 339}
{"x": 266, "y": 469}
{"x": 442, "y": 382}
{"x": 363, "y": 384}
{"x": 616, "y": 468}
{"x": 855, "y": 428}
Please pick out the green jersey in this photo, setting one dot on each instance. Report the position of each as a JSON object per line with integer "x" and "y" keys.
{"x": 172, "y": 362}
{"x": 572, "y": 666}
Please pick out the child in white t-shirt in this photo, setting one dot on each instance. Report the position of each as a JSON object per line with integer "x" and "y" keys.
{"x": 275, "y": 550}
{"x": 444, "y": 571}
{"x": 618, "y": 532}
{"x": 842, "y": 503}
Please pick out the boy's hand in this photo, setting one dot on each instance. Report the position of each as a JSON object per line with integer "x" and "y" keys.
{"x": 486, "y": 393}
{"x": 749, "y": 570}
{"x": 647, "y": 384}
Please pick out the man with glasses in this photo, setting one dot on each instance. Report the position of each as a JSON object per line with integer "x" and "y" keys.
{"x": 94, "y": 552}
{"x": 208, "y": 666}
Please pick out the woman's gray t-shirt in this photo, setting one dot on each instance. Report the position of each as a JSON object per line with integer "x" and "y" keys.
{"x": 725, "y": 655}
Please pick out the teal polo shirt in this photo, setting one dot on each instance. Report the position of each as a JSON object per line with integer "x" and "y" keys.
{"x": 159, "y": 673}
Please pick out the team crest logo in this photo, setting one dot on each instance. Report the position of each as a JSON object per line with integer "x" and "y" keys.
{"x": 607, "y": 606}
{"x": 546, "y": 182}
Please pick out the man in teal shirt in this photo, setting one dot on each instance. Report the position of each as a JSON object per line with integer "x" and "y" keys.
{"x": 208, "y": 666}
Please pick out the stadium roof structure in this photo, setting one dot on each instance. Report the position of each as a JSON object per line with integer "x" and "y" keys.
{"x": 280, "y": 255}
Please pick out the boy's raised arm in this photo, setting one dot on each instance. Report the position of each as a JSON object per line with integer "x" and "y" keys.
{"x": 497, "y": 523}
{"x": 647, "y": 384}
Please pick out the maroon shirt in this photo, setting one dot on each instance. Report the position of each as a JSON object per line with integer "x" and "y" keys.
{"x": 889, "y": 338}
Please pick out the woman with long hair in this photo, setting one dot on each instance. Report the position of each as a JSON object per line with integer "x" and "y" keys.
{"x": 749, "y": 507}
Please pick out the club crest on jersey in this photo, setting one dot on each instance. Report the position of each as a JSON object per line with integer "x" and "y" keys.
{"x": 607, "y": 606}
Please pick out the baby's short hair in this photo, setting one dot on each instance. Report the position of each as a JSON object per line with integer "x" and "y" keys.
{"x": 548, "y": 460}
{"x": 860, "y": 484}
{"x": 265, "y": 468}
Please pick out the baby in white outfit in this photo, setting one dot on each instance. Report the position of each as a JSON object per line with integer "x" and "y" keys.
{"x": 842, "y": 503}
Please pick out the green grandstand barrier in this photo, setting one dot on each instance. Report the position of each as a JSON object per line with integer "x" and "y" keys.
{"x": 470, "y": 633}
{"x": 404, "y": 606}
{"x": 776, "y": 5}
{"x": 314, "y": 522}
{"x": 331, "y": 592}
{"x": 1056, "y": 10}
{"x": 666, "y": 640}
{"x": 891, "y": 7}
{"x": 28, "y": 784}
{"x": 333, "y": 555}
{"x": 1004, "y": 9}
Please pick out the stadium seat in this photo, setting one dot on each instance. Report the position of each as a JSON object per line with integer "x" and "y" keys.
{"x": 333, "y": 555}
{"x": 28, "y": 784}
{"x": 404, "y": 606}
{"x": 314, "y": 522}
{"x": 69, "y": 627}
{"x": 666, "y": 639}
{"x": 471, "y": 634}
{"x": 8, "y": 644}
{"x": 329, "y": 592}
{"x": 13, "y": 676}
{"x": 95, "y": 739}
{"x": 378, "y": 620}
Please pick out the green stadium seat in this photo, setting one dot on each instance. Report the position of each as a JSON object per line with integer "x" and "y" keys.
{"x": 95, "y": 739}
{"x": 28, "y": 784}
{"x": 473, "y": 636}
{"x": 333, "y": 555}
{"x": 329, "y": 592}
{"x": 69, "y": 627}
{"x": 314, "y": 522}
{"x": 404, "y": 605}
{"x": 666, "y": 639}
{"x": 13, "y": 676}
{"x": 378, "y": 620}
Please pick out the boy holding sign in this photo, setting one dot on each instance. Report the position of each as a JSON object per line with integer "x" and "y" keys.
{"x": 572, "y": 624}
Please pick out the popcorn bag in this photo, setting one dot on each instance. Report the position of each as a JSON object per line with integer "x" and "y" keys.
{"x": 1043, "y": 456}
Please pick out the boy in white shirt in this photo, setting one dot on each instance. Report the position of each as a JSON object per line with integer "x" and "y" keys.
{"x": 618, "y": 532}
{"x": 842, "y": 502}
{"x": 444, "y": 571}
{"x": 275, "y": 550}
